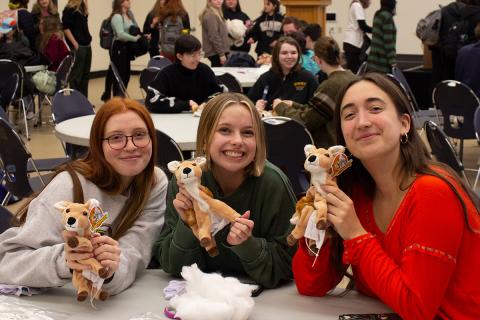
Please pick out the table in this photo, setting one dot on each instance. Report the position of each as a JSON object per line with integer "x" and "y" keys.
{"x": 181, "y": 127}
{"x": 146, "y": 295}
{"x": 246, "y": 76}
{"x": 32, "y": 69}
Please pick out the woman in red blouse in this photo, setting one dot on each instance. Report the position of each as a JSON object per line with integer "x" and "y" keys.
{"x": 408, "y": 226}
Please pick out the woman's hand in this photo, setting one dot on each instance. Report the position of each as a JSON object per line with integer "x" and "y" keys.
{"x": 250, "y": 41}
{"x": 341, "y": 213}
{"x": 107, "y": 252}
{"x": 223, "y": 59}
{"x": 240, "y": 230}
{"x": 73, "y": 255}
{"x": 182, "y": 201}
{"x": 261, "y": 104}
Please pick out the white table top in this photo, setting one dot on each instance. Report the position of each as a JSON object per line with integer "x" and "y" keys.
{"x": 181, "y": 127}
{"x": 146, "y": 295}
{"x": 36, "y": 68}
{"x": 246, "y": 76}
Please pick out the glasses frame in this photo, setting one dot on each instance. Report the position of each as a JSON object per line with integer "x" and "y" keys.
{"x": 126, "y": 141}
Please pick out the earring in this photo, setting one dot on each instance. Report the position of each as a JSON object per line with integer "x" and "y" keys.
{"x": 404, "y": 138}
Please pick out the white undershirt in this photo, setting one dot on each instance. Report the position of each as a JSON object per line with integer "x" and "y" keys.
{"x": 353, "y": 33}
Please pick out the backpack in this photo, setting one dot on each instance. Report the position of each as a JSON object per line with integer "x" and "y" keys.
{"x": 106, "y": 34}
{"x": 428, "y": 28}
{"x": 170, "y": 31}
{"x": 456, "y": 37}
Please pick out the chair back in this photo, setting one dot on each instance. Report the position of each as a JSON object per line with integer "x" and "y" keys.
{"x": 8, "y": 89}
{"x": 119, "y": 80}
{"x": 14, "y": 157}
{"x": 458, "y": 104}
{"x": 63, "y": 72}
{"x": 167, "y": 150}
{"x": 362, "y": 69}
{"x": 286, "y": 139}
{"x": 5, "y": 219}
{"x": 147, "y": 76}
{"x": 441, "y": 147}
{"x": 9, "y": 68}
{"x": 70, "y": 103}
{"x": 159, "y": 62}
{"x": 229, "y": 81}
{"x": 476, "y": 123}
{"x": 400, "y": 77}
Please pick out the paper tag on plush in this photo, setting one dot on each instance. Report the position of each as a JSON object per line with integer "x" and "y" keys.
{"x": 339, "y": 164}
{"x": 218, "y": 223}
{"x": 97, "y": 217}
{"x": 311, "y": 231}
{"x": 97, "y": 283}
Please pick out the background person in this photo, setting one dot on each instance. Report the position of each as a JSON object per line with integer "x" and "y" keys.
{"x": 216, "y": 43}
{"x": 185, "y": 83}
{"x": 286, "y": 79}
{"x": 317, "y": 113}
{"x": 355, "y": 34}
{"x": 75, "y": 27}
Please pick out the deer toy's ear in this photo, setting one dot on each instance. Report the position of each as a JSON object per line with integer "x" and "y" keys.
{"x": 62, "y": 205}
{"x": 201, "y": 161}
{"x": 334, "y": 150}
{"x": 173, "y": 166}
{"x": 308, "y": 149}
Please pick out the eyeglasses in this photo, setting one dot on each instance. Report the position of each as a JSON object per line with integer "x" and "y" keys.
{"x": 119, "y": 141}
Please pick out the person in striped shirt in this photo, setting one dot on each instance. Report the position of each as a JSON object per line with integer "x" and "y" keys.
{"x": 384, "y": 35}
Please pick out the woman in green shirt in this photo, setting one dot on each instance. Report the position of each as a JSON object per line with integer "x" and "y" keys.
{"x": 231, "y": 136}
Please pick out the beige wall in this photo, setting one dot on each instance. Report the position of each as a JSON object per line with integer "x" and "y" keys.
{"x": 408, "y": 13}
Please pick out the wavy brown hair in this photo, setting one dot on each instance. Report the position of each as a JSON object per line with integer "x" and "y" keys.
{"x": 51, "y": 26}
{"x": 95, "y": 168}
{"x": 52, "y": 8}
{"x": 415, "y": 160}
{"x": 171, "y": 8}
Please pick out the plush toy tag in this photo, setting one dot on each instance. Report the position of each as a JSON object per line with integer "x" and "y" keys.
{"x": 97, "y": 217}
{"x": 339, "y": 164}
{"x": 311, "y": 231}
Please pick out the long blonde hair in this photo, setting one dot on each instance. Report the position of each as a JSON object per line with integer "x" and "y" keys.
{"x": 78, "y": 5}
{"x": 209, "y": 7}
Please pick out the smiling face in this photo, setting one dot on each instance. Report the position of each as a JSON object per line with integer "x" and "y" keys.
{"x": 130, "y": 160}
{"x": 370, "y": 123}
{"x": 233, "y": 145}
{"x": 287, "y": 57}
{"x": 190, "y": 60}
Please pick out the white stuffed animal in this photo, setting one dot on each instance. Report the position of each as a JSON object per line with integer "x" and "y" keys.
{"x": 236, "y": 30}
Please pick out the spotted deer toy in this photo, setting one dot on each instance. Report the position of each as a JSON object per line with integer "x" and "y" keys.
{"x": 208, "y": 215}
{"x": 311, "y": 210}
{"x": 83, "y": 219}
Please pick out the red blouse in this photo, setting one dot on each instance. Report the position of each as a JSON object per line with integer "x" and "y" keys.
{"x": 426, "y": 265}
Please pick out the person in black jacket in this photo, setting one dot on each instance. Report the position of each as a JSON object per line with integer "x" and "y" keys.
{"x": 24, "y": 20}
{"x": 231, "y": 11}
{"x": 150, "y": 27}
{"x": 185, "y": 83}
{"x": 77, "y": 34}
{"x": 267, "y": 28}
{"x": 286, "y": 80}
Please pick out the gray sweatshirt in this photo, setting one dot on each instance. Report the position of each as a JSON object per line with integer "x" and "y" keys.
{"x": 33, "y": 255}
